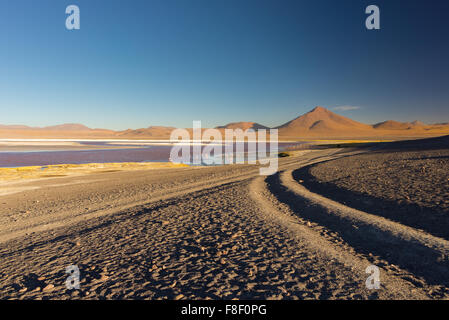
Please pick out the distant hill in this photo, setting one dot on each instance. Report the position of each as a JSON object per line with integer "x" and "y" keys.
{"x": 68, "y": 127}
{"x": 418, "y": 123}
{"x": 62, "y": 131}
{"x": 60, "y": 127}
{"x": 321, "y": 121}
{"x": 394, "y": 125}
{"x": 317, "y": 123}
{"x": 415, "y": 126}
{"x": 14, "y": 127}
{"x": 150, "y": 132}
{"x": 243, "y": 126}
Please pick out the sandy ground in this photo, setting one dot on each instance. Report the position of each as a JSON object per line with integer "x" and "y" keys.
{"x": 219, "y": 233}
{"x": 22, "y": 175}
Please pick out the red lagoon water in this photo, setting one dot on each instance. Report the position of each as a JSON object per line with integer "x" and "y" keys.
{"x": 42, "y": 158}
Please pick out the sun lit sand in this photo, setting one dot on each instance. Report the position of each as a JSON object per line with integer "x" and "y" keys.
{"x": 36, "y": 172}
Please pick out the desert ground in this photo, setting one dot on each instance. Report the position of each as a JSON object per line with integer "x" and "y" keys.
{"x": 307, "y": 232}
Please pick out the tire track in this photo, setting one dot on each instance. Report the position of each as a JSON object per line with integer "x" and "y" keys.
{"x": 63, "y": 220}
{"x": 60, "y": 218}
{"x": 234, "y": 228}
{"x": 416, "y": 251}
{"x": 414, "y": 255}
{"x": 392, "y": 286}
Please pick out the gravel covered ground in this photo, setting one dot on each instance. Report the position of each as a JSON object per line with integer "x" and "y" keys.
{"x": 165, "y": 234}
{"x": 209, "y": 233}
{"x": 397, "y": 181}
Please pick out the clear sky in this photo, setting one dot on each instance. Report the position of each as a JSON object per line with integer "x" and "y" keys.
{"x": 138, "y": 63}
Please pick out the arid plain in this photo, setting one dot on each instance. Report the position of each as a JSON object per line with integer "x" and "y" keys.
{"x": 225, "y": 232}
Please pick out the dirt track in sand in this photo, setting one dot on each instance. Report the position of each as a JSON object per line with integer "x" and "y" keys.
{"x": 406, "y": 182}
{"x": 219, "y": 233}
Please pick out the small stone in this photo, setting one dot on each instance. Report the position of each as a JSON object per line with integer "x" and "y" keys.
{"x": 153, "y": 268}
{"x": 179, "y": 296}
{"x": 49, "y": 287}
{"x": 104, "y": 278}
{"x": 250, "y": 286}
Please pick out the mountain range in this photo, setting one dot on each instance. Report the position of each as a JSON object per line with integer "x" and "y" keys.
{"x": 317, "y": 123}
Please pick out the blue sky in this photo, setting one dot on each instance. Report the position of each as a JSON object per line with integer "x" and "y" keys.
{"x": 167, "y": 62}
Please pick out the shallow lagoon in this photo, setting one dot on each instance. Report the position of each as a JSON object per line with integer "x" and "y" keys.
{"x": 45, "y": 152}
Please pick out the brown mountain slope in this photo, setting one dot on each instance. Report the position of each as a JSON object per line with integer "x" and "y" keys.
{"x": 62, "y": 131}
{"x": 321, "y": 121}
{"x": 13, "y": 127}
{"x": 415, "y": 126}
{"x": 393, "y": 125}
{"x": 243, "y": 126}
{"x": 150, "y": 132}
{"x": 68, "y": 127}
